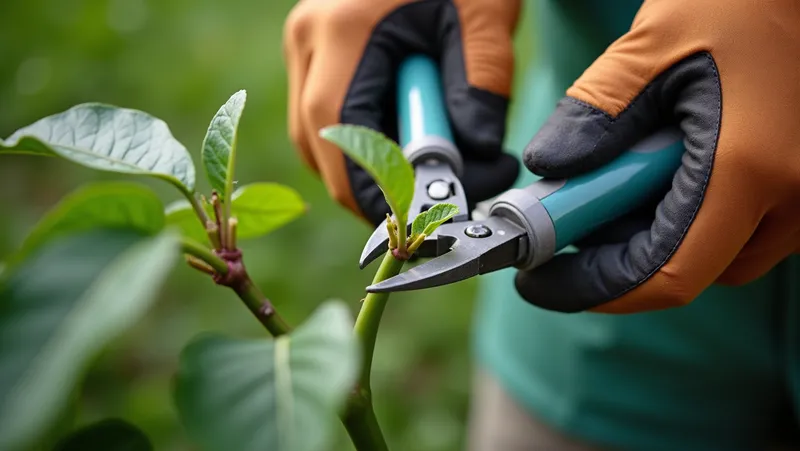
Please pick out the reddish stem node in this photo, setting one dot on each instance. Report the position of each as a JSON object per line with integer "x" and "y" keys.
{"x": 400, "y": 254}
{"x": 237, "y": 274}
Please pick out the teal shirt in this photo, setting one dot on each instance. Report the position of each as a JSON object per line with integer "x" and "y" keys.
{"x": 715, "y": 374}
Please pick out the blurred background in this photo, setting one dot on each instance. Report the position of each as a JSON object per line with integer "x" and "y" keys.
{"x": 180, "y": 60}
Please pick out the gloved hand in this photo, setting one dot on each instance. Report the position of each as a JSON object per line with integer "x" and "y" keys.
{"x": 728, "y": 72}
{"x": 342, "y": 57}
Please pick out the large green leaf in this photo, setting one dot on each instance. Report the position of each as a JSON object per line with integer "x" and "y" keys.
{"x": 259, "y": 208}
{"x": 109, "y": 205}
{"x": 382, "y": 158}
{"x": 219, "y": 145}
{"x": 427, "y": 221}
{"x": 111, "y": 434}
{"x": 275, "y": 395}
{"x": 57, "y": 311}
{"x": 108, "y": 138}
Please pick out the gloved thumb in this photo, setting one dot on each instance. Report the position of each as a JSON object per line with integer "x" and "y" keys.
{"x": 579, "y": 137}
{"x": 608, "y": 110}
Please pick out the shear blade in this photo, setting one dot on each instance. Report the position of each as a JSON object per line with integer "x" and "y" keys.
{"x": 377, "y": 244}
{"x": 469, "y": 256}
{"x": 451, "y": 267}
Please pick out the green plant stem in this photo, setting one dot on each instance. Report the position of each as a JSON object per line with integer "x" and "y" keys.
{"x": 359, "y": 416}
{"x": 243, "y": 286}
{"x": 362, "y": 425}
{"x": 196, "y": 205}
{"x": 402, "y": 234}
{"x": 369, "y": 318}
{"x": 196, "y": 249}
{"x": 261, "y": 307}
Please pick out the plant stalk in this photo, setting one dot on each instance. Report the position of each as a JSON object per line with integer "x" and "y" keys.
{"x": 199, "y": 210}
{"x": 362, "y": 425}
{"x": 402, "y": 233}
{"x": 369, "y": 318}
{"x": 239, "y": 281}
{"x": 261, "y": 307}
{"x": 359, "y": 416}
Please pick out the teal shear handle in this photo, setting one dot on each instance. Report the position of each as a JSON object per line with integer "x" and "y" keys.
{"x": 420, "y": 101}
{"x": 615, "y": 189}
{"x": 423, "y": 124}
{"x": 557, "y": 213}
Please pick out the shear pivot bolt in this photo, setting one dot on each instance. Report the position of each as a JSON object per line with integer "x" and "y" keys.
{"x": 439, "y": 190}
{"x": 478, "y": 231}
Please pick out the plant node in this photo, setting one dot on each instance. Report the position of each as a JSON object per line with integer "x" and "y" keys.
{"x": 237, "y": 274}
{"x": 400, "y": 254}
{"x": 266, "y": 309}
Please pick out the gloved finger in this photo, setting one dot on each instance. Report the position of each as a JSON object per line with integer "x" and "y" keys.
{"x": 763, "y": 251}
{"x": 485, "y": 179}
{"x": 297, "y": 54}
{"x": 477, "y": 64}
{"x": 334, "y": 73}
{"x": 649, "y": 271}
{"x": 692, "y": 239}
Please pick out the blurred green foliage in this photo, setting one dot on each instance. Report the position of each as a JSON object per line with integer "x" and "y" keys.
{"x": 179, "y": 60}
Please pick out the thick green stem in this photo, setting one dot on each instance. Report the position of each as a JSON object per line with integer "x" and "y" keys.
{"x": 261, "y": 307}
{"x": 359, "y": 417}
{"x": 402, "y": 234}
{"x": 196, "y": 249}
{"x": 362, "y": 425}
{"x": 369, "y": 318}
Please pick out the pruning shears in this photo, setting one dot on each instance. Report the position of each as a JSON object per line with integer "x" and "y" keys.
{"x": 525, "y": 227}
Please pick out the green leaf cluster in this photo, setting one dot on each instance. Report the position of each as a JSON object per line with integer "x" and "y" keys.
{"x": 96, "y": 261}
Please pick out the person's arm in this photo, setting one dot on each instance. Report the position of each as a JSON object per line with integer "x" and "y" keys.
{"x": 342, "y": 56}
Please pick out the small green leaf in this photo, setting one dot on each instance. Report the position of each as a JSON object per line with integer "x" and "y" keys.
{"x": 112, "y": 434}
{"x": 60, "y": 307}
{"x": 427, "y": 221}
{"x": 108, "y": 205}
{"x": 382, "y": 158}
{"x": 276, "y": 395}
{"x": 259, "y": 208}
{"x": 219, "y": 145}
{"x": 263, "y": 207}
{"x": 108, "y": 138}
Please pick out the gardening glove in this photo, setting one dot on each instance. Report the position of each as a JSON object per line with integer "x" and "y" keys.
{"x": 342, "y": 57}
{"x": 728, "y": 73}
